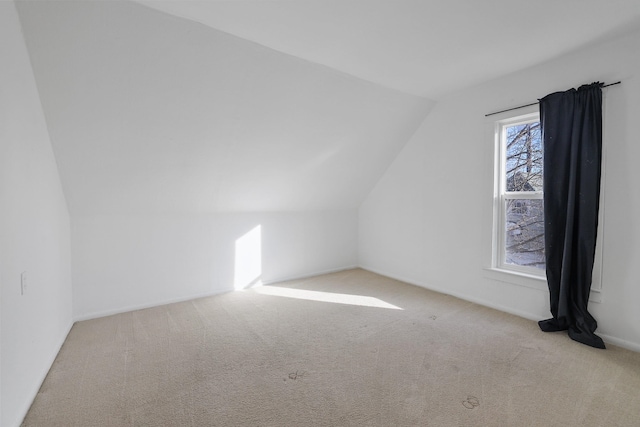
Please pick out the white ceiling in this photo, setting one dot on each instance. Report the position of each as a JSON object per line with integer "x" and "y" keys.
{"x": 421, "y": 47}
{"x": 150, "y": 113}
{"x": 271, "y": 105}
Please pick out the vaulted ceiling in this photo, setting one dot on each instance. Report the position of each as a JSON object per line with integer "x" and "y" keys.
{"x": 422, "y": 47}
{"x": 208, "y": 106}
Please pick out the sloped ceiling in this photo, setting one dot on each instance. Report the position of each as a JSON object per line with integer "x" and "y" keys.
{"x": 423, "y": 47}
{"x": 253, "y": 105}
{"x": 151, "y": 113}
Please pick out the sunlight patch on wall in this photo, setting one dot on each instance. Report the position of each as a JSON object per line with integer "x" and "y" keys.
{"x": 360, "y": 300}
{"x": 248, "y": 260}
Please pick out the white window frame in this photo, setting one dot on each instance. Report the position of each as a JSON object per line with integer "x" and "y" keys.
{"x": 501, "y": 195}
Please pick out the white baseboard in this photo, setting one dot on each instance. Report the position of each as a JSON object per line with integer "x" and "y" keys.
{"x": 619, "y": 342}
{"x": 526, "y": 315}
{"x": 36, "y": 388}
{"x": 308, "y": 275}
{"x": 134, "y": 307}
{"x": 126, "y": 309}
{"x": 480, "y": 301}
{"x": 609, "y": 339}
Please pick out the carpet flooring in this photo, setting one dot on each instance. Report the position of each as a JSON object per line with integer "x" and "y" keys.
{"x": 345, "y": 349}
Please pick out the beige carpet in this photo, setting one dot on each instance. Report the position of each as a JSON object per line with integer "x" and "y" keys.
{"x": 270, "y": 357}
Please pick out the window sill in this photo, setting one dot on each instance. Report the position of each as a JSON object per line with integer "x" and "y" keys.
{"x": 516, "y": 278}
{"x": 529, "y": 281}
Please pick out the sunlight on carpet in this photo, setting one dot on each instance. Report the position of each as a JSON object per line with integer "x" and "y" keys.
{"x": 348, "y": 299}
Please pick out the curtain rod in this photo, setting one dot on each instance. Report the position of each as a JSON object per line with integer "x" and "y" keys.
{"x": 535, "y": 103}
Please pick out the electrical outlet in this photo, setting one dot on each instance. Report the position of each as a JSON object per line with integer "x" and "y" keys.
{"x": 23, "y": 283}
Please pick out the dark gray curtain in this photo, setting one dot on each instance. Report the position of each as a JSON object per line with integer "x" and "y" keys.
{"x": 572, "y": 133}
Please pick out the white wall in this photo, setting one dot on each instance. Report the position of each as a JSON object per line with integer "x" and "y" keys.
{"x": 34, "y": 232}
{"x": 126, "y": 262}
{"x": 428, "y": 220}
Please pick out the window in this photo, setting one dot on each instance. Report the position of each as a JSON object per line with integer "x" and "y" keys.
{"x": 518, "y": 220}
{"x": 519, "y": 210}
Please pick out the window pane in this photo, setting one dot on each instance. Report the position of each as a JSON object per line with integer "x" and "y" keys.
{"x": 524, "y": 157}
{"x": 524, "y": 241}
